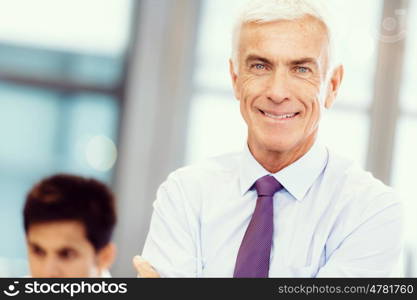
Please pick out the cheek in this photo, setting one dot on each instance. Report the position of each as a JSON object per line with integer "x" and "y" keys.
{"x": 251, "y": 87}
{"x": 309, "y": 97}
{"x": 246, "y": 94}
{"x": 34, "y": 260}
{"x": 35, "y": 264}
{"x": 84, "y": 266}
{"x": 314, "y": 115}
{"x": 309, "y": 88}
{"x": 316, "y": 107}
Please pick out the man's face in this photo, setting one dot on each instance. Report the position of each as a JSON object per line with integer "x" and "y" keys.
{"x": 280, "y": 82}
{"x": 61, "y": 249}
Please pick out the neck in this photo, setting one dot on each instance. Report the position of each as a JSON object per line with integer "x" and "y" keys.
{"x": 274, "y": 161}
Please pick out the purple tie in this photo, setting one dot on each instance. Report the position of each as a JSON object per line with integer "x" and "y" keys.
{"x": 255, "y": 250}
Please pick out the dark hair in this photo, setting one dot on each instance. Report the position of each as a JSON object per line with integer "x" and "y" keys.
{"x": 66, "y": 198}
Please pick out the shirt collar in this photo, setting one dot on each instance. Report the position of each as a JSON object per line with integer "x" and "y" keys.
{"x": 310, "y": 166}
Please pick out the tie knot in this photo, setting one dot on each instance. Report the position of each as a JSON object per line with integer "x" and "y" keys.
{"x": 267, "y": 186}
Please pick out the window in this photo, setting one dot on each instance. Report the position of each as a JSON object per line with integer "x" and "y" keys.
{"x": 405, "y": 159}
{"x": 61, "y": 86}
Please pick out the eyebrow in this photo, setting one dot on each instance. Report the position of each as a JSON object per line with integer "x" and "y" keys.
{"x": 300, "y": 61}
{"x": 66, "y": 248}
{"x": 304, "y": 60}
{"x": 63, "y": 248}
{"x": 253, "y": 57}
{"x": 35, "y": 245}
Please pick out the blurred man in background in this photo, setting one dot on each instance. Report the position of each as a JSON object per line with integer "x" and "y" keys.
{"x": 69, "y": 222}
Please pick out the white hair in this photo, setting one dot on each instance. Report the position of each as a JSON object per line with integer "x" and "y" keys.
{"x": 265, "y": 11}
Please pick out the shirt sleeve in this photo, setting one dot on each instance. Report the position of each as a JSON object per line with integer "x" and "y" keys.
{"x": 171, "y": 246}
{"x": 373, "y": 248}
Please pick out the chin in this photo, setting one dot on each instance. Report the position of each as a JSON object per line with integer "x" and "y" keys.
{"x": 279, "y": 147}
{"x": 281, "y": 143}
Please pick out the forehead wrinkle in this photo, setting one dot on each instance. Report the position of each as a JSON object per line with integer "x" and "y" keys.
{"x": 308, "y": 27}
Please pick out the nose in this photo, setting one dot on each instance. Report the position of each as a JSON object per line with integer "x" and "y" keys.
{"x": 52, "y": 268}
{"x": 278, "y": 89}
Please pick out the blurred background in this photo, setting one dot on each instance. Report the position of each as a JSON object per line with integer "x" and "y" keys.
{"x": 127, "y": 91}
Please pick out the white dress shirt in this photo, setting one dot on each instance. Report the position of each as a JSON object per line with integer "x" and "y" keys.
{"x": 332, "y": 219}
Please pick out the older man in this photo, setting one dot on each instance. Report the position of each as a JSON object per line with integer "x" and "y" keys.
{"x": 286, "y": 206}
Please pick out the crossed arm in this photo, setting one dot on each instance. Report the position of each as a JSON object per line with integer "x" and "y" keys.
{"x": 371, "y": 249}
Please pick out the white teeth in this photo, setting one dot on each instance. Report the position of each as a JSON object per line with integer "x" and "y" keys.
{"x": 280, "y": 117}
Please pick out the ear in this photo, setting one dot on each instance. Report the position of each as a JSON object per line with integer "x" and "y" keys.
{"x": 234, "y": 77}
{"x": 334, "y": 85}
{"x": 106, "y": 256}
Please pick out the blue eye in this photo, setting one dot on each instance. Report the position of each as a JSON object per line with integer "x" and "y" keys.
{"x": 259, "y": 66}
{"x": 302, "y": 69}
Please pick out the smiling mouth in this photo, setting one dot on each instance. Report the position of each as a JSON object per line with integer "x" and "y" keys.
{"x": 286, "y": 116}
